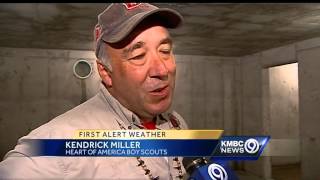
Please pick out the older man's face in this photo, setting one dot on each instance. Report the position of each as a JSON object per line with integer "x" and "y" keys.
{"x": 143, "y": 72}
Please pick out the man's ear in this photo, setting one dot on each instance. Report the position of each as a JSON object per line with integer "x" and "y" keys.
{"x": 104, "y": 73}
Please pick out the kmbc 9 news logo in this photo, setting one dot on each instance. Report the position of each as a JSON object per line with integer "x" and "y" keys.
{"x": 241, "y": 147}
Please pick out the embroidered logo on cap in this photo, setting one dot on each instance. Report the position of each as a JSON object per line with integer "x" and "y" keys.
{"x": 130, "y": 6}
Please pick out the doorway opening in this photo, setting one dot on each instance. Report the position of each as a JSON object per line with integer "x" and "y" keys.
{"x": 282, "y": 120}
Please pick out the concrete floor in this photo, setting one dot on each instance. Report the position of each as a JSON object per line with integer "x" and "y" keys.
{"x": 287, "y": 172}
{"x": 245, "y": 176}
{"x": 283, "y": 172}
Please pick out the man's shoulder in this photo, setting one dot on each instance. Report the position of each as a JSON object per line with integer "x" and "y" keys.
{"x": 92, "y": 114}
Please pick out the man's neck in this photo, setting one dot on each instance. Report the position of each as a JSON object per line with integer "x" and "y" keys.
{"x": 148, "y": 120}
{"x": 149, "y": 123}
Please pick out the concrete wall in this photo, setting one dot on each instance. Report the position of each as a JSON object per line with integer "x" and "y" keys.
{"x": 38, "y": 84}
{"x": 309, "y": 83}
{"x": 284, "y": 108}
{"x": 251, "y": 112}
{"x": 253, "y": 101}
{"x": 205, "y": 92}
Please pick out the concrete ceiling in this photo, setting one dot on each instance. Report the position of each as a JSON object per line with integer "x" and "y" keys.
{"x": 209, "y": 29}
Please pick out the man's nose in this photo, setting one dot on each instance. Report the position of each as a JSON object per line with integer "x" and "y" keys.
{"x": 158, "y": 68}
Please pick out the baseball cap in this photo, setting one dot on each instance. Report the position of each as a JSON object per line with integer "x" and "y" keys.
{"x": 119, "y": 19}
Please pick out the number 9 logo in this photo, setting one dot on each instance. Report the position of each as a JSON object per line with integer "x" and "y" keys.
{"x": 251, "y": 146}
{"x": 217, "y": 172}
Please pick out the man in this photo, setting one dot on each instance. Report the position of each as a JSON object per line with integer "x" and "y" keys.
{"x": 137, "y": 67}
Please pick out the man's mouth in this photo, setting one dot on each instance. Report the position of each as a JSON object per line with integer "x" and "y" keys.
{"x": 161, "y": 91}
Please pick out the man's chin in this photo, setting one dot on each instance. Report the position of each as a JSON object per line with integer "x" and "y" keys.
{"x": 159, "y": 108}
